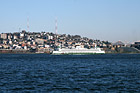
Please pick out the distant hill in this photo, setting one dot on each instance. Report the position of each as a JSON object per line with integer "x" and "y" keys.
{"x": 119, "y": 43}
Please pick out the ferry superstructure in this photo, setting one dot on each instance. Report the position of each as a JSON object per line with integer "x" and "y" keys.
{"x": 79, "y": 50}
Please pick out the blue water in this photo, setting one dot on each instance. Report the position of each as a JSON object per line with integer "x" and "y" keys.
{"x": 69, "y": 73}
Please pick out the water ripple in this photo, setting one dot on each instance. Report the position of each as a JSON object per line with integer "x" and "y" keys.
{"x": 69, "y": 73}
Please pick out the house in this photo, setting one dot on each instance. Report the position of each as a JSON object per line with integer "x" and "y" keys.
{"x": 136, "y": 45}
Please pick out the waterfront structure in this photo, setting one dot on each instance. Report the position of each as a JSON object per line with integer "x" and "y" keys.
{"x": 136, "y": 45}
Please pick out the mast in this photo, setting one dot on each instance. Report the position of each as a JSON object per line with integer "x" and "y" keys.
{"x": 56, "y": 29}
{"x": 28, "y": 24}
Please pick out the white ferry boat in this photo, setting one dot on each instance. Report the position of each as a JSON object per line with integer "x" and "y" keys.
{"x": 78, "y": 50}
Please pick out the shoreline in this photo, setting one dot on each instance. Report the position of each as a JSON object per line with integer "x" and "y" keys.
{"x": 69, "y": 54}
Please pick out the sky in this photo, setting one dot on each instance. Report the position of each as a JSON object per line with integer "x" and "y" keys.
{"x": 108, "y": 20}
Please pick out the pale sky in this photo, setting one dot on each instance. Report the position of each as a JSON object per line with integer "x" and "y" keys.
{"x": 110, "y": 20}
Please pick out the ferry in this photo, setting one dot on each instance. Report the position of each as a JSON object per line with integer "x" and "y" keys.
{"x": 78, "y": 50}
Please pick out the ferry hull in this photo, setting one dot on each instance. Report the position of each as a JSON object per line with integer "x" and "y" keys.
{"x": 78, "y": 53}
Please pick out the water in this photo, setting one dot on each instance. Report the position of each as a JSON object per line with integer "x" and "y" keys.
{"x": 69, "y": 73}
